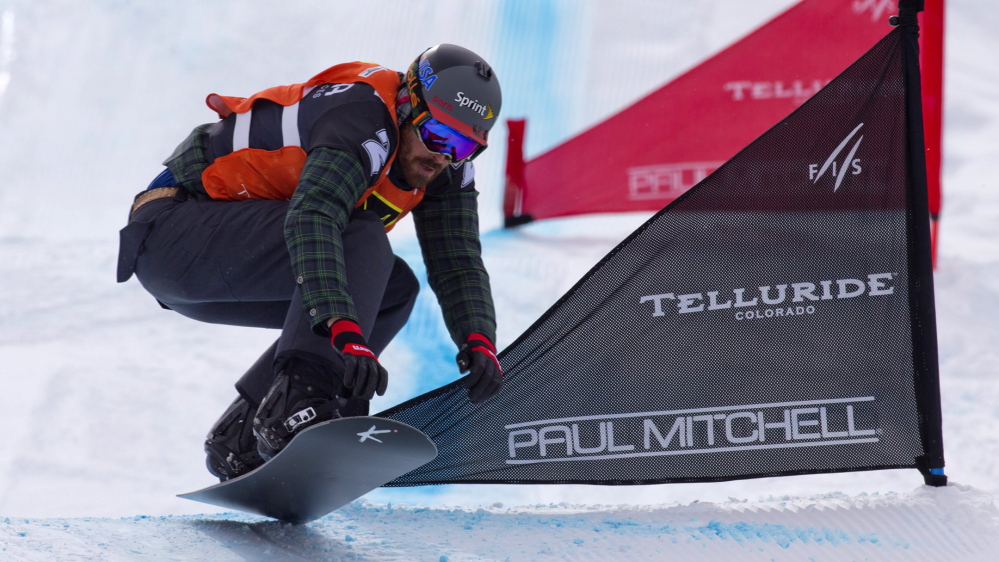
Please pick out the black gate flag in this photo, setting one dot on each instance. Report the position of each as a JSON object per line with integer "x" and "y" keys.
{"x": 777, "y": 319}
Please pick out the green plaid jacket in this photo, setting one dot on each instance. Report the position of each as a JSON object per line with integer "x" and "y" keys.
{"x": 332, "y": 181}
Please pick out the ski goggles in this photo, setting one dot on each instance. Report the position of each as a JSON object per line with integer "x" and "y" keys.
{"x": 438, "y": 137}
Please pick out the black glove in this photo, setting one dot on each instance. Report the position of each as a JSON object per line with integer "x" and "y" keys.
{"x": 361, "y": 370}
{"x": 477, "y": 357}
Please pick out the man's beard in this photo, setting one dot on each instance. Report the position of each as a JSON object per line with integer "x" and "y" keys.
{"x": 418, "y": 176}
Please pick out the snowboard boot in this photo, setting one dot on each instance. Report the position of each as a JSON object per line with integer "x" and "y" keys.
{"x": 231, "y": 446}
{"x": 302, "y": 396}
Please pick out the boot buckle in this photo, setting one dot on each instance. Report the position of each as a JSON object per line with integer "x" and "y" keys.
{"x": 298, "y": 418}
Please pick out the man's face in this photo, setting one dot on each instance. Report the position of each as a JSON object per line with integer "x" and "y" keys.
{"x": 419, "y": 165}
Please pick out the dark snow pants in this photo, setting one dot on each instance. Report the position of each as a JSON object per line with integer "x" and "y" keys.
{"x": 227, "y": 263}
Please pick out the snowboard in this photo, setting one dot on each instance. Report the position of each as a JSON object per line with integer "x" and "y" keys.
{"x": 325, "y": 467}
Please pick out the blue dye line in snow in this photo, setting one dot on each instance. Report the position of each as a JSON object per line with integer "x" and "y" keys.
{"x": 425, "y": 332}
{"x": 533, "y": 58}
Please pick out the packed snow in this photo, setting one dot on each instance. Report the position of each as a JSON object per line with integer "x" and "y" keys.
{"x": 108, "y": 397}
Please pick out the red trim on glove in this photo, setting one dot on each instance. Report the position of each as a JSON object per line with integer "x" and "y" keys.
{"x": 346, "y": 336}
{"x": 481, "y": 344}
{"x": 344, "y": 325}
{"x": 481, "y": 339}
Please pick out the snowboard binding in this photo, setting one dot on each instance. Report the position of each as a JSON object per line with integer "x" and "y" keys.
{"x": 231, "y": 446}
{"x": 301, "y": 397}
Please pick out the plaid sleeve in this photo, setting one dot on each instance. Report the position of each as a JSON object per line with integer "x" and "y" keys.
{"x": 190, "y": 159}
{"x": 447, "y": 227}
{"x": 331, "y": 183}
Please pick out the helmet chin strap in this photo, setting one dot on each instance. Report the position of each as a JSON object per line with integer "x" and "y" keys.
{"x": 403, "y": 107}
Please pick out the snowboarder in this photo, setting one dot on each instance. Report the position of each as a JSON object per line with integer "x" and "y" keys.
{"x": 276, "y": 216}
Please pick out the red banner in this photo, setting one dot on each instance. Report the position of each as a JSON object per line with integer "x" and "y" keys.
{"x": 654, "y": 150}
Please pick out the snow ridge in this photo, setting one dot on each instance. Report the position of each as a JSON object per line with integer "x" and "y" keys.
{"x": 956, "y": 522}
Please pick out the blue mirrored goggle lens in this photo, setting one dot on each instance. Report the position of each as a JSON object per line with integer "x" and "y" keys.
{"x": 438, "y": 137}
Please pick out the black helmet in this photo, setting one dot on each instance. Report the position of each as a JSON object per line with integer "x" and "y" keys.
{"x": 457, "y": 88}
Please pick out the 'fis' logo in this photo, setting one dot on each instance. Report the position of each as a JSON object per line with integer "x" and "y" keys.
{"x": 786, "y": 425}
{"x": 839, "y": 169}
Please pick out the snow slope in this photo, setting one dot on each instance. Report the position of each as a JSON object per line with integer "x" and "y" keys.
{"x": 107, "y": 397}
{"x": 955, "y": 523}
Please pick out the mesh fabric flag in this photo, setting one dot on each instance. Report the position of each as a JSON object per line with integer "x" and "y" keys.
{"x": 775, "y": 319}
